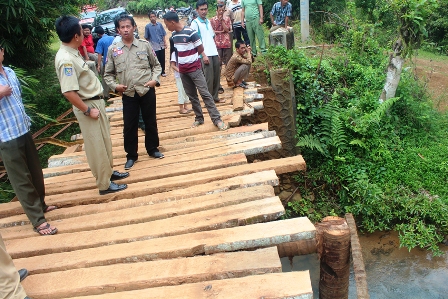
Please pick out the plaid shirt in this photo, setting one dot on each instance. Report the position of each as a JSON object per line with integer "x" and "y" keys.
{"x": 14, "y": 122}
{"x": 281, "y": 12}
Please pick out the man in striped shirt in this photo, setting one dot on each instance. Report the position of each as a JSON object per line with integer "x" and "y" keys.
{"x": 189, "y": 47}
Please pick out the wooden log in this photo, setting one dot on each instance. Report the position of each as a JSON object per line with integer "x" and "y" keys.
{"x": 334, "y": 248}
{"x": 238, "y": 99}
{"x": 126, "y": 277}
{"x": 358, "y": 262}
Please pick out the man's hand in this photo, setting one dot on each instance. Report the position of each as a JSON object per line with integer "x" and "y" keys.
{"x": 261, "y": 21}
{"x": 205, "y": 59}
{"x": 243, "y": 24}
{"x": 5, "y": 91}
{"x": 151, "y": 83}
{"x": 121, "y": 88}
{"x": 99, "y": 68}
{"x": 94, "y": 113}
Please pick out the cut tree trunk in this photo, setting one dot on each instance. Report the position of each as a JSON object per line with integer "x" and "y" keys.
{"x": 393, "y": 73}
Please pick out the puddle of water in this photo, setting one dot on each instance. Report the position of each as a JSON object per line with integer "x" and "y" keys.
{"x": 392, "y": 272}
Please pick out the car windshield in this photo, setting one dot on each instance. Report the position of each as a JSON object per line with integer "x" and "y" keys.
{"x": 88, "y": 15}
{"x": 107, "y": 17}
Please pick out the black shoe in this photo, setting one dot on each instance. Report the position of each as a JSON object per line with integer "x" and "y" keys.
{"x": 118, "y": 175}
{"x": 245, "y": 83}
{"x": 129, "y": 164}
{"x": 113, "y": 188}
{"x": 23, "y": 273}
{"x": 157, "y": 155}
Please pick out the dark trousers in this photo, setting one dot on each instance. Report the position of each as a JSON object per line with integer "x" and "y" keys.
{"x": 25, "y": 174}
{"x": 161, "y": 58}
{"x": 131, "y": 108}
{"x": 240, "y": 33}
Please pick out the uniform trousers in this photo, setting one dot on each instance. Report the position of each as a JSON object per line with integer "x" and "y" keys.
{"x": 97, "y": 143}
{"x": 254, "y": 29}
{"x": 25, "y": 174}
{"x": 10, "y": 287}
{"x": 212, "y": 73}
{"x": 131, "y": 107}
{"x": 194, "y": 80}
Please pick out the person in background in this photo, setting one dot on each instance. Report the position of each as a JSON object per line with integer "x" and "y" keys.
{"x": 83, "y": 90}
{"x": 155, "y": 34}
{"x": 252, "y": 20}
{"x": 239, "y": 65}
{"x": 10, "y": 278}
{"x": 87, "y": 50}
{"x": 182, "y": 97}
{"x": 189, "y": 46}
{"x": 103, "y": 44}
{"x": 210, "y": 61}
{"x": 132, "y": 68}
{"x": 281, "y": 11}
{"x": 19, "y": 154}
{"x": 239, "y": 32}
{"x": 227, "y": 15}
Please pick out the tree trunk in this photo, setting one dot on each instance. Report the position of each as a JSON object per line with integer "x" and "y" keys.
{"x": 393, "y": 73}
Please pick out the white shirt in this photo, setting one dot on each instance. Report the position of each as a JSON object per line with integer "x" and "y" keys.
{"x": 206, "y": 33}
{"x": 173, "y": 58}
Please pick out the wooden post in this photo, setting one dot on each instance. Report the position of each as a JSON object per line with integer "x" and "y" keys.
{"x": 333, "y": 239}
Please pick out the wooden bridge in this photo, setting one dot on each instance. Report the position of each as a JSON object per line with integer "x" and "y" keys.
{"x": 200, "y": 223}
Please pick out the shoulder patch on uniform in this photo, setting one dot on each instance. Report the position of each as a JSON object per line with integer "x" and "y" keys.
{"x": 143, "y": 40}
{"x": 68, "y": 69}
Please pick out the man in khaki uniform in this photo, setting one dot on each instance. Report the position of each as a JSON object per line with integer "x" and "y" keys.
{"x": 83, "y": 89}
{"x": 10, "y": 286}
{"x": 135, "y": 65}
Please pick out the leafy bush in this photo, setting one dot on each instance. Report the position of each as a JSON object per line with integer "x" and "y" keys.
{"x": 381, "y": 162}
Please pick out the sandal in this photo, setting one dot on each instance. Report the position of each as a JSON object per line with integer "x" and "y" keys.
{"x": 40, "y": 229}
{"x": 221, "y": 90}
{"x": 50, "y": 208}
{"x": 222, "y": 126}
{"x": 241, "y": 85}
{"x": 196, "y": 124}
{"x": 221, "y": 101}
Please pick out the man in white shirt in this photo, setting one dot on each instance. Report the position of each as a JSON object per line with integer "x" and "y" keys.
{"x": 210, "y": 62}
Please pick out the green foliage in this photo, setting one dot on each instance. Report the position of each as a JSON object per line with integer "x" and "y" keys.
{"x": 437, "y": 28}
{"x": 383, "y": 162}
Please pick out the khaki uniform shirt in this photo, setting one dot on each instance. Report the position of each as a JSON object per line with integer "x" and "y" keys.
{"x": 74, "y": 74}
{"x": 235, "y": 62}
{"x": 132, "y": 66}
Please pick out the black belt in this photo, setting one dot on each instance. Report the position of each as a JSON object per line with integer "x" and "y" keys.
{"x": 95, "y": 98}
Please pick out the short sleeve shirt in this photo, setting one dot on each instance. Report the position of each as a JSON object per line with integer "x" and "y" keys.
{"x": 251, "y": 9}
{"x": 74, "y": 74}
{"x": 206, "y": 33}
{"x": 187, "y": 42}
{"x": 103, "y": 44}
{"x": 281, "y": 12}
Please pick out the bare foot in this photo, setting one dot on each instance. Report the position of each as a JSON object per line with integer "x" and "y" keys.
{"x": 45, "y": 229}
{"x": 184, "y": 111}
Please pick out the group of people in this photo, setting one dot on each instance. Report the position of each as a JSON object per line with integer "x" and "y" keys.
{"x": 132, "y": 67}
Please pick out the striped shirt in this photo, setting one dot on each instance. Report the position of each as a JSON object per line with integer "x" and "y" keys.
{"x": 187, "y": 42}
{"x": 235, "y": 13}
{"x": 281, "y": 12}
{"x": 14, "y": 122}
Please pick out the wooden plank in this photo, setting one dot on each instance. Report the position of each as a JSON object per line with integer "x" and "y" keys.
{"x": 262, "y": 210}
{"x": 262, "y": 180}
{"x": 358, "y": 261}
{"x": 238, "y": 99}
{"x": 247, "y": 237}
{"x": 85, "y": 180}
{"x": 161, "y": 210}
{"x": 280, "y": 166}
{"x": 290, "y": 285}
{"x": 125, "y": 277}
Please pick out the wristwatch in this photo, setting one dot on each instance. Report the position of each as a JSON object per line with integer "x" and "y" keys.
{"x": 87, "y": 112}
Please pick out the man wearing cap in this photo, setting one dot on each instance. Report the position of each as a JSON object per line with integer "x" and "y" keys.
{"x": 83, "y": 89}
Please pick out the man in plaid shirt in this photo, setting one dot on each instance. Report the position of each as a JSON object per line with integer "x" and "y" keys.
{"x": 281, "y": 11}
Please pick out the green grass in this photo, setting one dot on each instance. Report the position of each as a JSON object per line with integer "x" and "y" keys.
{"x": 422, "y": 54}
